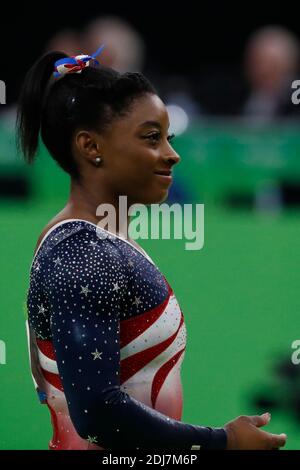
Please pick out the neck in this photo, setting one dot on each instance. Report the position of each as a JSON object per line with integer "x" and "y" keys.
{"x": 85, "y": 202}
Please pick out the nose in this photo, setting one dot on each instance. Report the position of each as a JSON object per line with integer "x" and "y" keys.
{"x": 171, "y": 157}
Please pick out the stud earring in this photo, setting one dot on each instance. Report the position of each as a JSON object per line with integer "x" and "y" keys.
{"x": 98, "y": 160}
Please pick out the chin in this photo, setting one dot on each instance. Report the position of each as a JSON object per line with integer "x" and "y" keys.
{"x": 153, "y": 197}
{"x": 164, "y": 197}
{"x": 157, "y": 199}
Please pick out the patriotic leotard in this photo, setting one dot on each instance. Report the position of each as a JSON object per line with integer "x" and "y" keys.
{"x": 107, "y": 339}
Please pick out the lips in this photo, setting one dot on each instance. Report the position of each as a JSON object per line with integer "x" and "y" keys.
{"x": 163, "y": 172}
{"x": 164, "y": 176}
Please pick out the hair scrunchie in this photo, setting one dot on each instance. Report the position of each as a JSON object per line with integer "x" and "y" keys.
{"x": 75, "y": 64}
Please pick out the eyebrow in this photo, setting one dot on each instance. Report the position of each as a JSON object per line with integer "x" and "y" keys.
{"x": 153, "y": 124}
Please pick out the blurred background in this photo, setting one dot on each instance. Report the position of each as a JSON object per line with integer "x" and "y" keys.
{"x": 226, "y": 76}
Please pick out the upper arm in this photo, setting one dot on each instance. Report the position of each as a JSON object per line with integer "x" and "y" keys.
{"x": 85, "y": 281}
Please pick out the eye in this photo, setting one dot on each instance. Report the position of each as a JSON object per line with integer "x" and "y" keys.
{"x": 156, "y": 136}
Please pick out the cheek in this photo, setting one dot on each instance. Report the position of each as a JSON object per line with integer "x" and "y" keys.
{"x": 135, "y": 161}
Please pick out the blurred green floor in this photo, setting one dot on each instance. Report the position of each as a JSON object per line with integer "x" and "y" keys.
{"x": 239, "y": 296}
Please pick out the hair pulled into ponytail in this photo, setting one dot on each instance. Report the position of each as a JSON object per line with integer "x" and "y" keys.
{"x": 55, "y": 108}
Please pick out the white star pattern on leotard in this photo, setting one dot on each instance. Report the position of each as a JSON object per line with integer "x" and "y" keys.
{"x": 137, "y": 301}
{"x": 57, "y": 261}
{"x": 85, "y": 290}
{"x": 97, "y": 354}
{"x": 116, "y": 286}
{"x": 42, "y": 309}
{"x": 37, "y": 266}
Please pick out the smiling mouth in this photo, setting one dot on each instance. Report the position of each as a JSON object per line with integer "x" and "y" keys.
{"x": 164, "y": 173}
{"x": 165, "y": 176}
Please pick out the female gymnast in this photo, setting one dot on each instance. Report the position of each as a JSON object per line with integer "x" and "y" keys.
{"x": 106, "y": 334}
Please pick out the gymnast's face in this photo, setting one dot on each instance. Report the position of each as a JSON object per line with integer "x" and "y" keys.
{"x": 137, "y": 157}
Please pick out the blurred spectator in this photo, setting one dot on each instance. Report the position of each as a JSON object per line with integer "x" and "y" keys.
{"x": 178, "y": 94}
{"x": 124, "y": 47}
{"x": 66, "y": 40}
{"x": 271, "y": 64}
{"x": 125, "y": 52}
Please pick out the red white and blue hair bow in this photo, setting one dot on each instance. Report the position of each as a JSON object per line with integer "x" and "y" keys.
{"x": 75, "y": 64}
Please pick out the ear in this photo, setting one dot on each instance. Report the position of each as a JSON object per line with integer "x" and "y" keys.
{"x": 88, "y": 144}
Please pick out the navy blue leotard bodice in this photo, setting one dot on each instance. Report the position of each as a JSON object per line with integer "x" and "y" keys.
{"x": 107, "y": 340}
